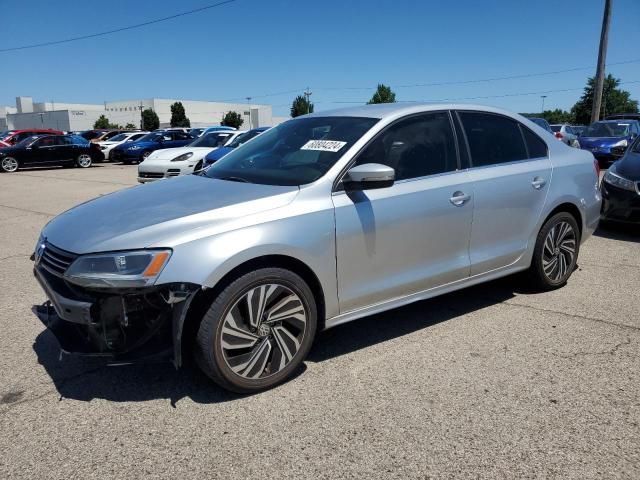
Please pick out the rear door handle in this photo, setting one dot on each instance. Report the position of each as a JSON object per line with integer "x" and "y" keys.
{"x": 538, "y": 183}
{"x": 459, "y": 198}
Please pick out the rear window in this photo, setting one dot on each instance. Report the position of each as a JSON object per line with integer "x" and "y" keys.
{"x": 556, "y": 128}
{"x": 493, "y": 139}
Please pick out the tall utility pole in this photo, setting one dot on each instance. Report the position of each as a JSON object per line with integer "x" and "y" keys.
{"x": 249, "y": 103}
{"x": 307, "y": 94}
{"x": 602, "y": 57}
{"x": 141, "y": 117}
{"x": 543, "y": 97}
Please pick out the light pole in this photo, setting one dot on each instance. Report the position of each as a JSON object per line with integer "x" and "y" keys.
{"x": 542, "y": 97}
{"x": 307, "y": 94}
{"x": 249, "y": 103}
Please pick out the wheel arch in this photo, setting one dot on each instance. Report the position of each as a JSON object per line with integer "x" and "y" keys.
{"x": 570, "y": 208}
{"x": 204, "y": 297}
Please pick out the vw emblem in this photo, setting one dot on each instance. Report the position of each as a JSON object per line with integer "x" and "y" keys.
{"x": 39, "y": 251}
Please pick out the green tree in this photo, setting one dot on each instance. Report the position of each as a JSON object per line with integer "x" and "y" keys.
{"x": 178, "y": 116}
{"x": 232, "y": 119}
{"x": 558, "y": 116}
{"x": 130, "y": 126}
{"x": 383, "y": 94}
{"x": 301, "y": 106}
{"x": 103, "y": 122}
{"x": 614, "y": 100}
{"x": 150, "y": 120}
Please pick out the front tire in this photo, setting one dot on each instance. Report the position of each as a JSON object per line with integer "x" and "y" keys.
{"x": 9, "y": 165}
{"x": 555, "y": 255}
{"x": 258, "y": 330}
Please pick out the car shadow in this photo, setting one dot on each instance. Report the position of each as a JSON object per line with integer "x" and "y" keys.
{"x": 55, "y": 167}
{"x": 619, "y": 231}
{"x": 86, "y": 379}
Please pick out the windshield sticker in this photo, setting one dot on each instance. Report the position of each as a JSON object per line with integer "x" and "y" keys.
{"x": 323, "y": 145}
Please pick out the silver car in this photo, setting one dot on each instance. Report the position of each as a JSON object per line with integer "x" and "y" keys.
{"x": 566, "y": 134}
{"x": 322, "y": 220}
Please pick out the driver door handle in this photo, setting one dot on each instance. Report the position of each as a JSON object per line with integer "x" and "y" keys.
{"x": 538, "y": 183}
{"x": 459, "y": 199}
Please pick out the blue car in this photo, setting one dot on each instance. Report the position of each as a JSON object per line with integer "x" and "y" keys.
{"x": 136, "y": 152}
{"x": 608, "y": 139}
{"x": 218, "y": 153}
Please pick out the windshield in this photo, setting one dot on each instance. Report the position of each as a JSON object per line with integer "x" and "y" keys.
{"x": 244, "y": 138}
{"x": 606, "y": 129}
{"x": 296, "y": 152}
{"x": 211, "y": 140}
{"x": 119, "y": 138}
{"x": 5, "y": 134}
{"x": 151, "y": 137}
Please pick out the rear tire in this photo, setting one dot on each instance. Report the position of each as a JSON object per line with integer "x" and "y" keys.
{"x": 257, "y": 331}
{"x": 555, "y": 255}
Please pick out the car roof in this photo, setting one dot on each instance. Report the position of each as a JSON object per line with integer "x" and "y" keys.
{"x": 385, "y": 110}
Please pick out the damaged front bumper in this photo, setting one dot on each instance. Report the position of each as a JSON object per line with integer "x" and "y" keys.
{"x": 120, "y": 325}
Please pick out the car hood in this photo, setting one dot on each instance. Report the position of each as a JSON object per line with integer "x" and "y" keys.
{"x": 599, "y": 141}
{"x": 218, "y": 153}
{"x": 128, "y": 145}
{"x": 171, "y": 153}
{"x": 629, "y": 166}
{"x": 148, "y": 215}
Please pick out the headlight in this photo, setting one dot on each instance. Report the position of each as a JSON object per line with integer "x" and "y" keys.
{"x": 617, "y": 181}
{"x": 621, "y": 143}
{"x": 103, "y": 147}
{"x": 183, "y": 157}
{"x": 118, "y": 270}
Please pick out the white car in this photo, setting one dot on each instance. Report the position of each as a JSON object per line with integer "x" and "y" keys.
{"x": 172, "y": 162}
{"x": 107, "y": 146}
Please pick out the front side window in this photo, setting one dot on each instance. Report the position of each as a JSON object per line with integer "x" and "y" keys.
{"x": 415, "y": 147}
{"x": 493, "y": 139}
{"x": 289, "y": 154}
{"x": 47, "y": 141}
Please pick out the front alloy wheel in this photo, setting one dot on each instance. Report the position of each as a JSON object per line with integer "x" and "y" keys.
{"x": 257, "y": 331}
{"x": 84, "y": 160}
{"x": 9, "y": 164}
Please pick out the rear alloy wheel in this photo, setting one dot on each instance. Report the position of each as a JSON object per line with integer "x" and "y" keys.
{"x": 9, "y": 164}
{"x": 84, "y": 160}
{"x": 258, "y": 330}
{"x": 556, "y": 251}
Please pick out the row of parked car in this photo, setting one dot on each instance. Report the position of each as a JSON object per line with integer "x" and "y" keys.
{"x": 607, "y": 139}
{"x": 41, "y": 147}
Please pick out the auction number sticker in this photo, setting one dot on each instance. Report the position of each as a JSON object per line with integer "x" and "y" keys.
{"x": 323, "y": 145}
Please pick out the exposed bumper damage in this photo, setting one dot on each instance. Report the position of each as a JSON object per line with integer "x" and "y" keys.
{"x": 121, "y": 326}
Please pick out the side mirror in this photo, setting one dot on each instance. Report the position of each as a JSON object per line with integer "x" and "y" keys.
{"x": 369, "y": 176}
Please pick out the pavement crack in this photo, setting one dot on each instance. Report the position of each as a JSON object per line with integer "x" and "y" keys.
{"x": 574, "y": 315}
{"x": 14, "y": 256}
{"x": 610, "y": 351}
{"x": 27, "y": 210}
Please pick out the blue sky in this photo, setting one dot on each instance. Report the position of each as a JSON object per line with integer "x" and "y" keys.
{"x": 339, "y": 48}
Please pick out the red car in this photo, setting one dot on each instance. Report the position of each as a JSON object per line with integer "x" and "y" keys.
{"x": 12, "y": 137}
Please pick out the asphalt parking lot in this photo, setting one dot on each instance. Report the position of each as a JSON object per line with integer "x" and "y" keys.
{"x": 490, "y": 382}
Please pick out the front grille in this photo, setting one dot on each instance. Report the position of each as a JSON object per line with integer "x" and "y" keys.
{"x": 55, "y": 260}
{"x": 150, "y": 175}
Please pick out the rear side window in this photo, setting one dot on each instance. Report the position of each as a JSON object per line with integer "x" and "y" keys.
{"x": 535, "y": 145}
{"x": 493, "y": 139}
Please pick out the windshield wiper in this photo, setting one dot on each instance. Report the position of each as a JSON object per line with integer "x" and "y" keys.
{"x": 234, "y": 179}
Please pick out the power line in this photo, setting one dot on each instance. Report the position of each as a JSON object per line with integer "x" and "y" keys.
{"x": 121, "y": 29}
{"x": 442, "y": 83}
{"x": 482, "y": 97}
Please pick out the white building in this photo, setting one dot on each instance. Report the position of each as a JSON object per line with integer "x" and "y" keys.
{"x": 71, "y": 117}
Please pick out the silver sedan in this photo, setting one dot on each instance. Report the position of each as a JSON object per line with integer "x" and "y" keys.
{"x": 322, "y": 220}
